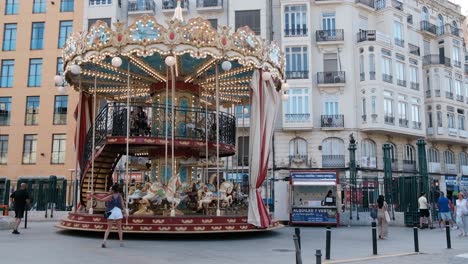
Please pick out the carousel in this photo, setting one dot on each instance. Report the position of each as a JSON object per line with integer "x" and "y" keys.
{"x": 164, "y": 94}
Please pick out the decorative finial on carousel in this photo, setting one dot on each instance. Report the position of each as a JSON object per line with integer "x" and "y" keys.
{"x": 178, "y": 13}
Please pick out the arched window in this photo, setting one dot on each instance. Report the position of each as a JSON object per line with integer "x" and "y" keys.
{"x": 368, "y": 154}
{"x": 463, "y": 159}
{"x": 433, "y": 156}
{"x": 440, "y": 21}
{"x": 333, "y": 153}
{"x": 425, "y": 14}
{"x": 361, "y": 68}
{"x": 298, "y": 147}
{"x": 454, "y": 24}
{"x": 393, "y": 152}
{"x": 449, "y": 157}
{"x": 410, "y": 154}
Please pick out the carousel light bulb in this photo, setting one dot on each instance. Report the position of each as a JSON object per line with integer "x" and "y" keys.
{"x": 226, "y": 65}
{"x": 58, "y": 80}
{"x": 285, "y": 87}
{"x": 266, "y": 76}
{"x": 75, "y": 69}
{"x": 170, "y": 61}
{"x": 285, "y": 97}
{"x": 61, "y": 90}
{"x": 116, "y": 62}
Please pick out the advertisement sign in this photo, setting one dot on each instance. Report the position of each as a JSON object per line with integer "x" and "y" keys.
{"x": 450, "y": 180}
{"x": 314, "y": 215}
{"x": 313, "y": 176}
{"x": 464, "y": 181}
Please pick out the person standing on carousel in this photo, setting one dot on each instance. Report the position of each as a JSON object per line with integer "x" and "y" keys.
{"x": 114, "y": 212}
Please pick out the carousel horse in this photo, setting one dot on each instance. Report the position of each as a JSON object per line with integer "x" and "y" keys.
{"x": 224, "y": 194}
{"x": 157, "y": 191}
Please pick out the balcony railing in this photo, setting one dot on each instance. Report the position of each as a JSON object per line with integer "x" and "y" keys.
{"x": 140, "y": 6}
{"x": 172, "y": 4}
{"x": 449, "y": 95}
{"x": 298, "y": 158}
{"x": 209, "y": 3}
{"x": 436, "y": 59}
{"x": 331, "y": 77}
{"x": 297, "y": 74}
{"x": 366, "y": 35}
{"x": 362, "y": 76}
{"x": 448, "y": 29}
{"x": 297, "y": 118}
{"x": 389, "y": 120}
{"x": 403, "y": 122}
{"x": 332, "y": 121}
{"x": 399, "y": 42}
{"x": 413, "y": 49}
{"x": 333, "y": 161}
{"x": 298, "y": 31}
{"x": 437, "y": 93}
{"x": 401, "y": 83}
{"x": 416, "y": 125}
{"x": 460, "y": 98}
{"x": 329, "y": 35}
{"x": 457, "y": 63}
{"x": 409, "y": 165}
{"x": 415, "y": 86}
{"x": 372, "y": 75}
{"x": 428, "y": 27}
{"x": 369, "y": 3}
{"x": 387, "y": 78}
{"x": 380, "y": 4}
{"x": 397, "y": 5}
{"x": 428, "y": 93}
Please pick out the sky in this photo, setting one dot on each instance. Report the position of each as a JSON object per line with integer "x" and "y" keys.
{"x": 463, "y": 4}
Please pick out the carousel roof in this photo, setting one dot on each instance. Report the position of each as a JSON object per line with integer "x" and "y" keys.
{"x": 144, "y": 45}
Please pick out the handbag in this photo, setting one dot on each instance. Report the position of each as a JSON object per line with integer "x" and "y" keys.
{"x": 387, "y": 217}
{"x": 107, "y": 214}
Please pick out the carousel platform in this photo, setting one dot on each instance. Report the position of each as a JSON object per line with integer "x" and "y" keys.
{"x": 165, "y": 225}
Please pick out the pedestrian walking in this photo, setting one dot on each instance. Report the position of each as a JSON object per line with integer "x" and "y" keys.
{"x": 383, "y": 218}
{"x": 424, "y": 211}
{"x": 444, "y": 211}
{"x": 461, "y": 214}
{"x": 114, "y": 215}
{"x": 20, "y": 200}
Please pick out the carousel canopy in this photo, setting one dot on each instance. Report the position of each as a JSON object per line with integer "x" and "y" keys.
{"x": 134, "y": 57}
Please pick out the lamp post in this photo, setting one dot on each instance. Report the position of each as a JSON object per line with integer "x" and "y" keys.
{"x": 352, "y": 174}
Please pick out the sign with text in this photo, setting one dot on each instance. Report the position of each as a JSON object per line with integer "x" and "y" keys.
{"x": 314, "y": 215}
{"x": 313, "y": 176}
{"x": 464, "y": 181}
{"x": 450, "y": 180}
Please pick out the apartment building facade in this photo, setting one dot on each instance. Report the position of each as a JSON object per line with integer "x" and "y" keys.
{"x": 36, "y": 119}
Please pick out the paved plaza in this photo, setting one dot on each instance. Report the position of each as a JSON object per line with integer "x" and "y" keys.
{"x": 43, "y": 243}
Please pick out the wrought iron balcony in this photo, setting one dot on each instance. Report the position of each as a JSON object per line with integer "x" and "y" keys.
{"x": 448, "y": 29}
{"x": 362, "y": 76}
{"x": 333, "y": 161}
{"x": 416, "y": 125}
{"x": 403, "y": 122}
{"x": 172, "y": 4}
{"x": 409, "y": 165}
{"x": 457, "y": 63}
{"x": 366, "y": 35}
{"x": 387, "y": 78}
{"x": 397, "y": 5}
{"x": 460, "y": 98}
{"x": 380, "y": 4}
{"x": 426, "y": 26}
{"x": 401, "y": 83}
{"x": 449, "y": 95}
{"x": 332, "y": 121}
{"x": 399, "y": 42}
{"x": 415, "y": 86}
{"x": 141, "y": 6}
{"x": 210, "y": 4}
{"x": 297, "y": 118}
{"x": 428, "y": 93}
{"x": 436, "y": 59}
{"x": 389, "y": 120}
{"x": 372, "y": 75}
{"x": 296, "y": 32}
{"x": 297, "y": 74}
{"x": 331, "y": 77}
{"x": 369, "y": 3}
{"x": 413, "y": 49}
{"x": 298, "y": 158}
{"x": 437, "y": 93}
{"x": 329, "y": 35}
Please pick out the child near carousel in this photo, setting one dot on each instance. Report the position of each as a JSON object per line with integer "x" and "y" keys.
{"x": 114, "y": 212}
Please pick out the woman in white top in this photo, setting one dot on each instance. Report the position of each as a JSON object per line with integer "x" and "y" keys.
{"x": 461, "y": 214}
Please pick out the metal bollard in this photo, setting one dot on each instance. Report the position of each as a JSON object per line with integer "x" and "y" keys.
{"x": 297, "y": 232}
{"x": 318, "y": 256}
{"x": 298, "y": 250}
{"x": 374, "y": 238}
{"x": 447, "y": 231}
{"x": 26, "y": 219}
{"x": 327, "y": 243}
{"x": 416, "y": 239}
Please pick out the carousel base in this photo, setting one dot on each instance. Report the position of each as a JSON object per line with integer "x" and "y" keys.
{"x": 166, "y": 225}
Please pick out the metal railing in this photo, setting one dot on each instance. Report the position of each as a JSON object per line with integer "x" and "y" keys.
{"x": 403, "y": 122}
{"x": 428, "y": 27}
{"x": 297, "y": 118}
{"x": 298, "y": 158}
{"x": 298, "y": 31}
{"x": 436, "y": 59}
{"x": 449, "y": 95}
{"x": 331, "y": 77}
{"x": 414, "y": 85}
{"x": 460, "y": 98}
{"x": 380, "y": 4}
{"x": 389, "y": 120}
{"x": 332, "y": 121}
{"x": 329, "y": 35}
{"x": 171, "y": 4}
{"x": 146, "y": 5}
{"x": 333, "y": 161}
{"x": 366, "y": 35}
{"x": 428, "y": 93}
{"x": 413, "y": 49}
{"x": 416, "y": 125}
{"x": 387, "y": 78}
{"x": 369, "y": 3}
{"x": 437, "y": 93}
{"x": 397, "y": 5}
{"x": 401, "y": 83}
{"x": 457, "y": 63}
{"x": 399, "y": 42}
{"x": 209, "y": 3}
{"x": 372, "y": 75}
{"x": 297, "y": 74}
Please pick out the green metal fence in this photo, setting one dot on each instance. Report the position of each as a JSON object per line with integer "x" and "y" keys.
{"x": 44, "y": 190}
{"x": 4, "y": 190}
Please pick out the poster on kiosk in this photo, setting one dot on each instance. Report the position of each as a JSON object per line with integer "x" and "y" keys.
{"x": 315, "y": 197}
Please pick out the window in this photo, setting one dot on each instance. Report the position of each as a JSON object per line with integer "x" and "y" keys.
{"x": 29, "y": 149}
{"x": 450, "y": 120}
{"x": 243, "y": 151}
{"x": 11, "y": 7}
{"x": 66, "y": 5}
{"x": 439, "y": 119}
{"x": 387, "y": 69}
{"x": 100, "y": 2}
{"x": 361, "y": 68}
{"x": 295, "y": 20}
{"x": 35, "y": 73}
{"x": 249, "y": 18}
{"x": 425, "y": 14}
{"x": 91, "y": 22}
{"x": 448, "y": 84}
{"x": 427, "y": 47}
{"x": 364, "y": 112}
{"x": 59, "y": 70}
{"x": 5, "y": 111}
{"x": 388, "y": 107}
{"x": 297, "y": 63}
{"x": 429, "y": 119}
{"x": 9, "y": 37}
{"x": 393, "y": 152}
{"x": 298, "y": 148}
{"x": 214, "y": 23}
{"x": 463, "y": 159}
{"x": 373, "y": 104}
{"x": 456, "y": 56}
{"x": 3, "y": 149}
{"x": 58, "y": 149}
{"x": 329, "y": 22}
{"x": 458, "y": 87}
{"x": 331, "y": 108}
{"x": 333, "y": 153}
{"x": 368, "y": 154}
{"x": 410, "y": 154}
{"x": 413, "y": 75}
{"x": 461, "y": 122}
{"x": 372, "y": 67}
{"x": 398, "y": 33}
{"x": 415, "y": 116}
{"x": 330, "y": 62}
{"x": 297, "y": 108}
{"x": 440, "y": 21}
{"x": 449, "y": 157}
{"x": 6, "y": 76}
{"x": 64, "y": 32}
{"x": 32, "y": 110}
{"x": 433, "y": 155}
{"x": 37, "y": 35}
{"x": 400, "y": 73}
{"x": 402, "y": 106}
{"x": 39, "y": 6}
{"x": 60, "y": 109}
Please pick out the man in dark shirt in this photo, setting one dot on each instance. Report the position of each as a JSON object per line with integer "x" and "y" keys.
{"x": 20, "y": 198}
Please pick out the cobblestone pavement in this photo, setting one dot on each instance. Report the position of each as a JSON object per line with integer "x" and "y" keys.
{"x": 43, "y": 243}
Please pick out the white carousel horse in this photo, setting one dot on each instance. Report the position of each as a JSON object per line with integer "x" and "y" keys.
{"x": 205, "y": 196}
{"x": 157, "y": 191}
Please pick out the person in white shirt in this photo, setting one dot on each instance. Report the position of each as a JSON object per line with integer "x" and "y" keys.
{"x": 461, "y": 214}
{"x": 424, "y": 211}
